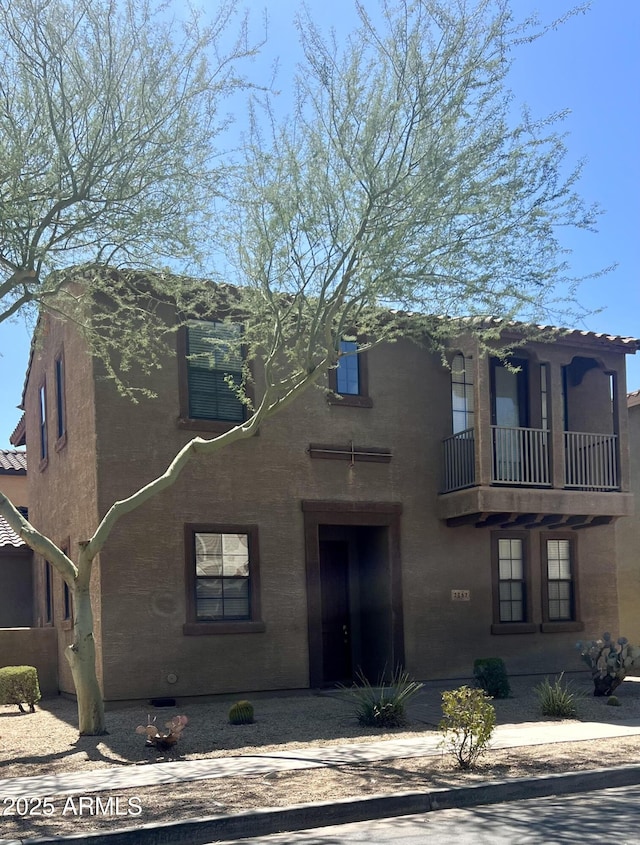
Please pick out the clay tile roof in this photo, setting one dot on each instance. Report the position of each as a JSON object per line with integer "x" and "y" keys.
{"x": 8, "y": 537}
{"x": 13, "y": 462}
{"x": 17, "y": 437}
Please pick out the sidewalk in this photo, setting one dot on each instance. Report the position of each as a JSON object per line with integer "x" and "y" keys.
{"x": 261, "y": 822}
{"x": 129, "y": 777}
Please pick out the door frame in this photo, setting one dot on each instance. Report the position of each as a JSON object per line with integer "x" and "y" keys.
{"x": 362, "y": 514}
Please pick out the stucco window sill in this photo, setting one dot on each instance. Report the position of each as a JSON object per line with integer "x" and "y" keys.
{"x": 514, "y": 628}
{"x": 44, "y": 463}
{"x": 200, "y": 629}
{"x": 212, "y": 426}
{"x": 61, "y": 442}
{"x": 561, "y": 627}
{"x": 350, "y": 401}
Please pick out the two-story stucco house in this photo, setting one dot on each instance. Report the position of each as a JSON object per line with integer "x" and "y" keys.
{"x": 430, "y": 516}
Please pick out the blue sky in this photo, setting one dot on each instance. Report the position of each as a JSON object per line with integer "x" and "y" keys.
{"x": 590, "y": 65}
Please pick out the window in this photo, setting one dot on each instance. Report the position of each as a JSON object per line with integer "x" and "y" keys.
{"x": 559, "y": 596}
{"x": 210, "y": 357}
{"x": 511, "y": 593}
{"x": 461, "y": 393}
{"x": 48, "y": 594}
{"x": 511, "y": 575}
{"x": 348, "y": 369}
{"x": 222, "y": 579}
{"x": 67, "y": 596}
{"x": 44, "y": 450}
{"x": 68, "y": 602}
{"x": 61, "y": 420}
{"x": 349, "y": 379}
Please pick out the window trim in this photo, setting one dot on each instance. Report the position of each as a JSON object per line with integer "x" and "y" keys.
{"x": 59, "y": 371}
{"x": 254, "y": 624}
{"x": 527, "y": 626}
{"x": 353, "y": 400}
{"x": 185, "y": 421}
{"x": 556, "y": 626}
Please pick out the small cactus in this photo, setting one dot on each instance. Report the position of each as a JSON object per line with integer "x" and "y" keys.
{"x": 613, "y": 701}
{"x": 163, "y": 741}
{"x": 241, "y": 713}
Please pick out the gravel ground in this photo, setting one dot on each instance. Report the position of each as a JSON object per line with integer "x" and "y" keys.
{"x": 47, "y": 743}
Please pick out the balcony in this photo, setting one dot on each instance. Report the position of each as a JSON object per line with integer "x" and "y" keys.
{"x": 520, "y": 489}
{"x": 520, "y": 456}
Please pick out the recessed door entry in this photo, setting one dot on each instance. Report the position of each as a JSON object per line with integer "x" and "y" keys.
{"x": 355, "y": 598}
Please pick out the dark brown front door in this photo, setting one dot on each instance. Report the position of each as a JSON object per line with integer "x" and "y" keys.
{"x": 336, "y": 635}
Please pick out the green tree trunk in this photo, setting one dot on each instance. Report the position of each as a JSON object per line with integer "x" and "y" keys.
{"x": 81, "y": 655}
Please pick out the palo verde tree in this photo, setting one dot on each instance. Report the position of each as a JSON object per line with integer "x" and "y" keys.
{"x": 399, "y": 181}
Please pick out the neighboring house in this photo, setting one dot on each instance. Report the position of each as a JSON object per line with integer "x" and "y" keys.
{"x": 429, "y": 517}
{"x": 16, "y": 593}
{"x": 628, "y": 536}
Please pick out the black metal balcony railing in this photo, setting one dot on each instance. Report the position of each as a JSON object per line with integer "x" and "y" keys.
{"x": 590, "y": 461}
{"x": 521, "y": 457}
{"x": 459, "y": 461}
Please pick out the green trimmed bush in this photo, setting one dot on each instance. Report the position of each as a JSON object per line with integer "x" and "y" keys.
{"x": 557, "y": 699}
{"x": 490, "y": 674}
{"x": 241, "y": 713}
{"x": 613, "y": 701}
{"x": 19, "y": 685}
{"x": 468, "y": 720}
{"x": 382, "y": 706}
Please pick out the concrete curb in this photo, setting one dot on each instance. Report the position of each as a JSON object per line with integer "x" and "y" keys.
{"x": 201, "y": 831}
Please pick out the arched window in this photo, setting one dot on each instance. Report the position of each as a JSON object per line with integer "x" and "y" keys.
{"x": 461, "y": 393}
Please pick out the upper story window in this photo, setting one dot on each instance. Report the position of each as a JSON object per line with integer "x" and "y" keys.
{"x": 61, "y": 413}
{"x": 348, "y": 369}
{"x": 44, "y": 440}
{"x": 222, "y": 579}
{"x": 461, "y": 393}
{"x": 349, "y": 379}
{"x": 210, "y": 358}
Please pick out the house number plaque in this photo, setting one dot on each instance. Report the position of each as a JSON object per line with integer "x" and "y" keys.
{"x": 460, "y": 595}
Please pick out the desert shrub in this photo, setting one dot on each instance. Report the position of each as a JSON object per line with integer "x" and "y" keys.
{"x": 241, "y": 713}
{"x": 468, "y": 720}
{"x": 490, "y": 674}
{"x": 556, "y": 699}
{"x": 613, "y": 701}
{"x": 609, "y": 661}
{"x": 382, "y": 706}
{"x": 19, "y": 685}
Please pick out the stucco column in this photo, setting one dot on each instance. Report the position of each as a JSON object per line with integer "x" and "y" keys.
{"x": 621, "y": 427}
{"x": 556, "y": 421}
{"x": 483, "y": 433}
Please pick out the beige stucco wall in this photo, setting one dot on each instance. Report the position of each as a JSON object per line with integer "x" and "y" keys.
{"x": 32, "y": 647}
{"x": 15, "y": 488}
{"x": 264, "y": 481}
{"x": 62, "y": 493}
{"x": 114, "y": 446}
{"x": 628, "y": 538}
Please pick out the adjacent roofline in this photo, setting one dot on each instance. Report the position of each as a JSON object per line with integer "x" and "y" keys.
{"x": 19, "y": 434}
{"x": 13, "y": 462}
{"x": 633, "y": 398}
{"x": 8, "y": 537}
